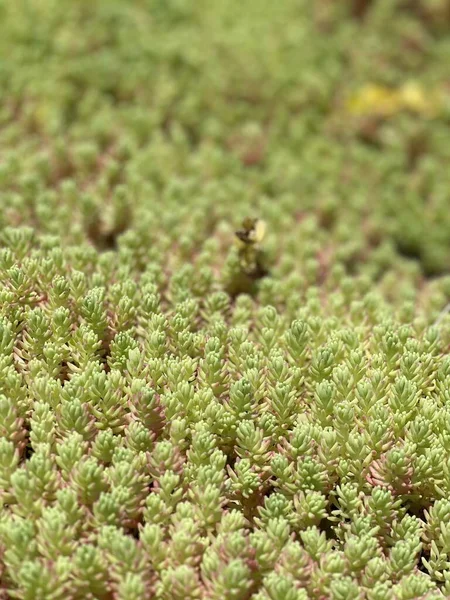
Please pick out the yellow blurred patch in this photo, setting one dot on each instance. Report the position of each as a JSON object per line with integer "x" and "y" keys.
{"x": 382, "y": 101}
{"x": 414, "y": 98}
{"x": 374, "y": 99}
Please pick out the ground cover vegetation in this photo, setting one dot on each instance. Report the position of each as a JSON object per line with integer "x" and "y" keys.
{"x": 224, "y": 272}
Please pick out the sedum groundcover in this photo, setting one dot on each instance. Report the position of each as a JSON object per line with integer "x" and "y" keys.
{"x": 224, "y": 272}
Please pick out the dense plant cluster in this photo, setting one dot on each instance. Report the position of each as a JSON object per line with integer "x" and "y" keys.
{"x": 224, "y": 257}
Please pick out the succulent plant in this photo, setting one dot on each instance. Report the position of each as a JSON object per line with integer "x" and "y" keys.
{"x": 224, "y": 328}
